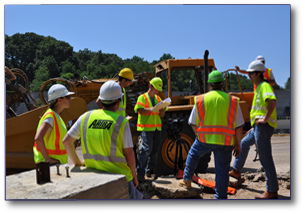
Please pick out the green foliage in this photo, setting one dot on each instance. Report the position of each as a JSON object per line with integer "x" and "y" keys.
{"x": 42, "y": 58}
{"x": 287, "y": 84}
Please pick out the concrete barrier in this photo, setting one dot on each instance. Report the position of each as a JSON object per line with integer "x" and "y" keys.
{"x": 82, "y": 183}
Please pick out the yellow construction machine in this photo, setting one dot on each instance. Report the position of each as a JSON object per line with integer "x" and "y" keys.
{"x": 21, "y": 129}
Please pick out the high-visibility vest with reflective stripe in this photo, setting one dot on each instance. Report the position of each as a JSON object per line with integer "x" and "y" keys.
{"x": 216, "y": 117}
{"x": 102, "y": 142}
{"x": 268, "y": 74}
{"x": 122, "y": 106}
{"x": 148, "y": 122}
{"x": 53, "y": 141}
{"x": 259, "y": 104}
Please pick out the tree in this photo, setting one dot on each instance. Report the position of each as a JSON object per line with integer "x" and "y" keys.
{"x": 41, "y": 75}
{"x": 287, "y": 84}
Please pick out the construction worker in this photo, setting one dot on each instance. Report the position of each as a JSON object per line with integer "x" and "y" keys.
{"x": 263, "y": 121}
{"x": 268, "y": 75}
{"x": 125, "y": 80}
{"x": 105, "y": 138}
{"x": 52, "y": 129}
{"x": 150, "y": 126}
{"x": 217, "y": 121}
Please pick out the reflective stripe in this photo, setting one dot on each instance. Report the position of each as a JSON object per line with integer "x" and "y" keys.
{"x": 268, "y": 94}
{"x": 149, "y": 125}
{"x": 121, "y": 109}
{"x": 259, "y": 107}
{"x": 216, "y": 129}
{"x": 57, "y": 150}
{"x": 262, "y": 117}
{"x": 141, "y": 104}
{"x": 147, "y": 102}
{"x": 112, "y": 157}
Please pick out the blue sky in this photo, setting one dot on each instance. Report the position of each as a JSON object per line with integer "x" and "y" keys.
{"x": 233, "y": 34}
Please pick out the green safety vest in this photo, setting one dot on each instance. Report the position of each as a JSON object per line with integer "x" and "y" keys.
{"x": 53, "y": 142}
{"x": 102, "y": 142}
{"x": 151, "y": 121}
{"x": 122, "y": 106}
{"x": 259, "y": 104}
{"x": 216, "y": 117}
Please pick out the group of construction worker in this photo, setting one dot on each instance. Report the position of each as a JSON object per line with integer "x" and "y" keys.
{"x": 216, "y": 119}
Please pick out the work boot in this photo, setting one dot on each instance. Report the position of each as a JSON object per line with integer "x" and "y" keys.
{"x": 185, "y": 184}
{"x": 235, "y": 174}
{"x": 150, "y": 172}
{"x": 267, "y": 195}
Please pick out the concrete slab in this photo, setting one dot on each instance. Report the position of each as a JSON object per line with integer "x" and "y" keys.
{"x": 83, "y": 183}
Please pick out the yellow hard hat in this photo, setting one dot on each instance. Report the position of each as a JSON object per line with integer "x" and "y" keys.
{"x": 157, "y": 83}
{"x": 126, "y": 73}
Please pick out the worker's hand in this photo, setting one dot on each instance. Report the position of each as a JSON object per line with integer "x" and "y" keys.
{"x": 162, "y": 112}
{"x": 82, "y": 163}
{"x": 236, "y": 150}
{"x": 135, "y": 182}
{"x": 52, "y": 161}
{"x": 237, "y": 68}
{"x": 257, "y": 122}
{"x": 248, "y": 131}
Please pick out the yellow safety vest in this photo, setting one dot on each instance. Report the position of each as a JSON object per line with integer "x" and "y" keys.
{"x": 216, "y": 117}
{"x": 259, "y": 104}
{"x": 53, "y": 142}
{"x": 151, "y": 121}
{"x": 102, "y": 142}
{"x": 122, "y": 106}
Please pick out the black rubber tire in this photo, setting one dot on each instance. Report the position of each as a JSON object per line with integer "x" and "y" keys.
{"x": 164, "y": 167}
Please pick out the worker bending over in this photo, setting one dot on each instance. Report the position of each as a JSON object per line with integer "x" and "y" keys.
{"x": 217, "y": 121}
{"x": 263, "y": 121}
{"x": 106, "y": 139}
{"x": 150, "y": 126}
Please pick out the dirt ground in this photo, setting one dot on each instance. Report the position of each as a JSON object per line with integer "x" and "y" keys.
{"x": 254, "y": 178}
{"x": 253, "y": 185}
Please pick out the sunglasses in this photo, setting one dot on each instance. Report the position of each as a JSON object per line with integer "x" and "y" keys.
{"x": 68, "y": 97}
{"x": 252, "y": 72}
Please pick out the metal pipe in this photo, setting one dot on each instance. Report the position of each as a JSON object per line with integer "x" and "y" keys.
{"x": 206, "y": 71}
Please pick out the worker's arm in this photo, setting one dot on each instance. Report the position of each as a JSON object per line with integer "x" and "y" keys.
{"x": 194, "y": 129}
{"x": 270, "y": 109}
{"x": 39, "y": 139}
{"x": 162, "y": 112}
{"x": 131, "y": 162}
{"x": 144, "y": 110}
{"x": 238, "y": 137}
{"x": 68, "y": 142}
{"x": 241, "y": 71}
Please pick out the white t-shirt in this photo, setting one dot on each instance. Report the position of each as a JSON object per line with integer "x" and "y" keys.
{"x": 50, "y": 121}
{"x": 75, "y": 132}
{"x": 239, "y": 117}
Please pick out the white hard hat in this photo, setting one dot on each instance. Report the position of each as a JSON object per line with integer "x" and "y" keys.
{"x": 260, "y": 58}
{"x": 57, "y": 91}
{"x": 256, "y": 66}
{"x": 110, "y": 92}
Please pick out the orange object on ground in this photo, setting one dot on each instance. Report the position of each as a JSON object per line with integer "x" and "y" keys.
{"x": 205, "y": 182}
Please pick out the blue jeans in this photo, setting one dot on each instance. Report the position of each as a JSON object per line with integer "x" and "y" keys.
{"x": 149, "y": 152}
{"x": 222, "y": 157}
{"x": 261, "y": 136}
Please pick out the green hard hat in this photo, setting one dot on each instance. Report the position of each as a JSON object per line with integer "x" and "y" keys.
{"x": 215, "y": 76}
{"x": 157, "y": 83}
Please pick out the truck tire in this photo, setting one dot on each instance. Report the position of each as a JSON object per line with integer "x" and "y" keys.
{"x": 167, "y": 150}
